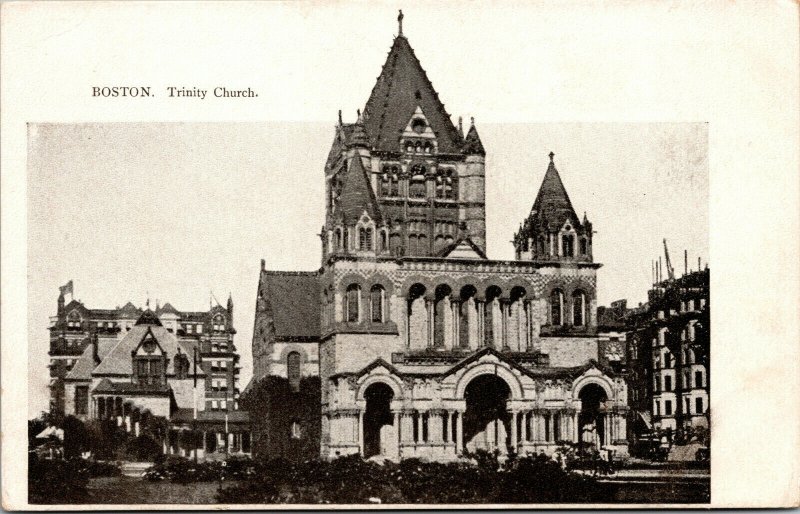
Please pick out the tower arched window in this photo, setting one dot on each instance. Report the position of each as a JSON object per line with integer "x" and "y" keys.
{"x": 384, "y": 237}
{"x": 293, "y": 371}
{"x": 578, "y": 308}
{"x": 556, "y": 307}
{"x": 74, "y": 320}
{"x": 584, "y": 246}
{"x": 365, "y": 239}
{"x": 337, "y": 238}
{"x": 218, "y": 323}
{"x": 567, "y": 245}
{"x": 377, "y": 298}
{"x": 352, "y": 300}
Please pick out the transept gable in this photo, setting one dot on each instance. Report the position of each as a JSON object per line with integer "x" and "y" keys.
{"x": 463, "y": 248}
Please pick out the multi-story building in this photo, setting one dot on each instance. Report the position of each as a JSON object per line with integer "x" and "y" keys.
{"x": 129, "y": 364}
{"x": 409, "y": 341}
{"x": 668, "y": 349}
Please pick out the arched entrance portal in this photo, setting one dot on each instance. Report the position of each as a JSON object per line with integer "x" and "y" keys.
{"x": 378, "y": 429}
{"x": 486, "y": 420}
{"x": 591, "y": 419}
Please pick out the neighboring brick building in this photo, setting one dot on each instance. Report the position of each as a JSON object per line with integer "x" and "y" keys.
{"x": 131, "y": 364}
{"x": 409, "y": 341}
{"x": 668, "y": 345}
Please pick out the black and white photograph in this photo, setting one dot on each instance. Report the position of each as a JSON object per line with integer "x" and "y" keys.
{"x": 402, "y": 296}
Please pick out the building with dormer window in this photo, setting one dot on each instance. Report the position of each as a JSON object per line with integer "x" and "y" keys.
{"x": 135, "y": 366}
{"x": 409, "y": 341}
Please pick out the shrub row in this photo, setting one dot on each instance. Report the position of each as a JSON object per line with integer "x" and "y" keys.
{"x": 183, "y": 471}
{"x": 533, "y": 479}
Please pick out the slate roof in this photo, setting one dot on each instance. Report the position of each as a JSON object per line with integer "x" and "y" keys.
{"x": 403, "y": 86}
{"x": 552, "y": 204}
{"x": 167, "y": 308}
{"x": 107, "y": 386}
{"x": 294, "y": 300}
{"x": 357, "y": 195}
{"x": 148, "y": 317}
{"x": 82, "y": 369}
{"x": 118, "y": 360}
{"x": 472, "y": 143}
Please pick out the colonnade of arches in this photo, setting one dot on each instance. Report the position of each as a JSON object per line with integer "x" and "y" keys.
{"x": 449, "y": 316}
{"x": 488, "y": 418}
{"x": 459, "y": 315}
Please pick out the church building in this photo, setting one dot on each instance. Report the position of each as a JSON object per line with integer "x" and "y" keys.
{"x": 409, "y": 341}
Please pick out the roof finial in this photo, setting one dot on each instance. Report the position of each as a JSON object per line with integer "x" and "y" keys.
{"x": 472, "y": 121}
{"x": 551, "y": 157}
{"x": 400, "y": 23}
{"x": 340, "y": 117}
{"x": 358, "y": 116}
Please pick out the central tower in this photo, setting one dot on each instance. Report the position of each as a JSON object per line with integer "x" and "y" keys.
{"x": 403, "y": 180}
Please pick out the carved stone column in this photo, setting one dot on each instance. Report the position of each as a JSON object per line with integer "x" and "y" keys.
{"x": 504, "y": 311}
{"x": 429, "y": 306}
{"x": 361, "y": 432}
{"x": 480, "y": 332}
{"x": 459, "y": 433}
{"x": 435, "y": 426}
{"x": 514, "y": 434}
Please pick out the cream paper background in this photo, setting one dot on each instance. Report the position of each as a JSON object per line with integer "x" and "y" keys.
{"x": 734, "y": 66}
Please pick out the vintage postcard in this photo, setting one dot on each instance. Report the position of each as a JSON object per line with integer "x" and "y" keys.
{"x": 350, "y": 255}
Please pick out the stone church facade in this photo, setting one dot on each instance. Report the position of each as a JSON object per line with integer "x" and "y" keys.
{"x": 418, "y": 343}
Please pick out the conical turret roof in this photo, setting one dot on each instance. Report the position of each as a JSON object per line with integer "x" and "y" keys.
{"x": 472, "y": 143}
{"x": 403, "y": 86}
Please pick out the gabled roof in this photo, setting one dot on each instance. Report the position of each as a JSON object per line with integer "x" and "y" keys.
{"x": 82, "y": 369}
{"x": 480, "y": 353}
{"x": 118, "y": 360}
{"x": 294, "y": 301}
{"x": 376, "y": 364}
{"x": 552, "y": 204}
{"x": 148, "y": 317}
{"x": 462, "y": 248}
{"x": 357, "y": 195}
{"x": 167, "y": 308}
{"x": 402, "y": 87}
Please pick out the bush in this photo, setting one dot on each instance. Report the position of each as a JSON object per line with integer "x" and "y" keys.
{"x": 352, "y": 480}
{"x": 56, "y": 481}
{"x": 143, "y": 448}
{"x": 183, "y": 471}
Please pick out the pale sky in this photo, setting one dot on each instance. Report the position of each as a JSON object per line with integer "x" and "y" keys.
{"x": 178, "y": 210}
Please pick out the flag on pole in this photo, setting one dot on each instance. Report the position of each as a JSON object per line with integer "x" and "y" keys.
{"x": 66, "y": 288}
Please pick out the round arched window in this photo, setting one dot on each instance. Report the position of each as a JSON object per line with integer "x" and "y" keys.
{"x": 418, "y": 125}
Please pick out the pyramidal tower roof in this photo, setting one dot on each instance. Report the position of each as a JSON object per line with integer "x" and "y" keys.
{"x": 552, "y": 206}
{"x": 403, "y": 86}
{"x": 357, "y": 195}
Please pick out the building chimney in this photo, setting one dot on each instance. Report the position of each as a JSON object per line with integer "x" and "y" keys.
{"x": 95, "y": 349}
